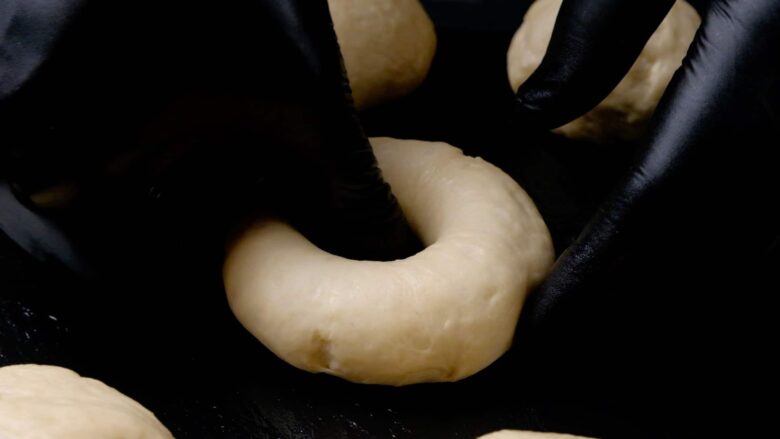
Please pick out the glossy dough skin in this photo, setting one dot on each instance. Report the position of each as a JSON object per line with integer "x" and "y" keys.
{"x": 517, "y": 434}
{"x": 440, "y": 315}
{"x": 623, "y": 115}
{"x": 47, "y": 402}
{"x": 387, "y": 45}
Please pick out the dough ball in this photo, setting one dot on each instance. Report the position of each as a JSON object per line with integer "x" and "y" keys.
{"x": 623, "y": 115}
{"x": 387, "y": 45}
{"x": 440, "y": 315}
{"x": 517, "y": 434}
{"x": 38, "y": 402}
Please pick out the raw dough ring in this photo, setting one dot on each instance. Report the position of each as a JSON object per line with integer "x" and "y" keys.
{"x": 440, "y": 315}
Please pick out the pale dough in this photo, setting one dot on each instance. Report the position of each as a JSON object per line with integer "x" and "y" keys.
{"x": 47, "y": 402}
{"x": 624, "y": 114}
{"x": 387, "y": 45}
{"x": 440, "y": 315}
{"x": 517, "y": 434}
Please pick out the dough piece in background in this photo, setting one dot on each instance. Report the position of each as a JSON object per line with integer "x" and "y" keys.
{"x": 623, "y": 115}
{"x": 440, "y": 315}
{"x": 52, "y": 402}
{"x": 517, "y": 434}
{"x": 387, "y": 45}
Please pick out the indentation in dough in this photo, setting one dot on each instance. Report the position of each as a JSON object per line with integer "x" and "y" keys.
{"x": 422, "y": 342}
{"x": 494, "y": 298}
{"x": 450, "y": 374}
{"x": 321, "y": 353}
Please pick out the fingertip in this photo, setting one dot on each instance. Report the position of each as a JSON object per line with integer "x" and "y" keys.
{"x": 593, "y": 45}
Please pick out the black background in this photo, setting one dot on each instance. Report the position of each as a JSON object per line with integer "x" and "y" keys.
{"x": 175, "y": 347}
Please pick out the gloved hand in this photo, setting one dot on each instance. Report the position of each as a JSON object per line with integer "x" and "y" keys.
{"x": 133, "y": 126}
{"x": 687, "y": 237}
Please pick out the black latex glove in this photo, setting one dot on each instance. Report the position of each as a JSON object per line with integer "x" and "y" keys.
{"x": 132, "y": 126}
{"x": 686, "y": 236}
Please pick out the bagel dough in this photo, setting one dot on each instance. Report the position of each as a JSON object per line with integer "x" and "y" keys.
{"x": 623, "y": 115}
{"x": 440, "y": 315}
{"x": 387, "y": 45}
{"x": 517, "y": 434}
{"x": 39, "y": 402}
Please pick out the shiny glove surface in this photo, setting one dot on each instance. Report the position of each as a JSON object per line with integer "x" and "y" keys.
{"x": 129, "y": 126}
{"x": 692, "y": 222}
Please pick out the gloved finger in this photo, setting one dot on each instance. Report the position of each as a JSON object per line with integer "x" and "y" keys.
{"x": 731, "y": 68}
{"x": 27, "y": 33}
{"x": 724, "y": 95}
{"x": 364, "y": 219}
{"x": 186, "y": 117}
{"x": 593, "y": 46}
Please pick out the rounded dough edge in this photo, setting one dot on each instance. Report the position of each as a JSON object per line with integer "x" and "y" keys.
{"x": 49, "y": 401}
{"x": 518, "y": 434}
{"x": 440, "y": 315}
{"x": 388, "y": 47}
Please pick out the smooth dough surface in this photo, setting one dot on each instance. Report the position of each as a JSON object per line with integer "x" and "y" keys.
{"x": 517, "y": 434}
{"x": 623, "y": 115}
{"x": 440, "y": 315}
{"x": 47, "y": 402}
{"x": 387, "y": 45}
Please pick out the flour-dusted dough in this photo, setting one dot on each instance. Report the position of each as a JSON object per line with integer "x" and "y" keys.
{"x": 388, "y": 46}
{"x": 623, "y": 115}
{"x": 47, "y": 402}
{"x": 517, "y": 434}
{"x": 440, "y": 315}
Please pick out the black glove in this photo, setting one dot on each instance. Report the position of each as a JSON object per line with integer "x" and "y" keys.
{"x": 132, "y": 126}
{"x": 681, "y": 254}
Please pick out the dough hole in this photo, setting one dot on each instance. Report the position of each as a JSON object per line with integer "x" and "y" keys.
{"x": 440, "y": 315}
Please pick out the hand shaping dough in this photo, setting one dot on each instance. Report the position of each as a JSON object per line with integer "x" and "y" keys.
{"x": 440, "y": 315}
{"x": 623, "y": 115}
{"x": 39, "y": 402}
{"x": 516, "y": 434}
{"x": 387, "y": 45}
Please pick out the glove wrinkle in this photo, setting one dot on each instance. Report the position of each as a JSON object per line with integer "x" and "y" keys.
{"x": 169, "y": 120}
{"x": 593, "y": 45}
{"x": 692, "y": 218}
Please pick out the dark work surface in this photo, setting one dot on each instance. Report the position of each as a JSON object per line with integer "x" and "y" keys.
{"x": 173, "y": 345}
{"x": 190, "y": 362}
